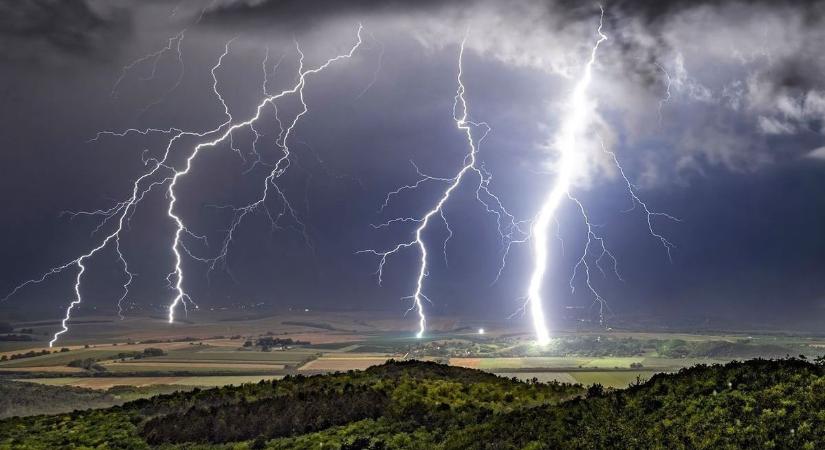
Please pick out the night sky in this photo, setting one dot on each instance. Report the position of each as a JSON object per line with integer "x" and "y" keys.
{"x": 735, "y": 150}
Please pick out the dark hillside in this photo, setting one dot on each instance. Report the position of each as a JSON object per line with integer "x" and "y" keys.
{"x": 411, "y": 404}
{"x": 19, "y": 398}
{"x": 752, "y": 404}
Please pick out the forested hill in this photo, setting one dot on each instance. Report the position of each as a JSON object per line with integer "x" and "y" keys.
{"x": 753, "y": 404}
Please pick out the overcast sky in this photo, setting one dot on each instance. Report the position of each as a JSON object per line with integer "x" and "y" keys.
{"x": 716, "y": 112}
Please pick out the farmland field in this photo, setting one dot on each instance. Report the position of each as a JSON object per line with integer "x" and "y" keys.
{"x": 41, "y": 369}
{"x": 544, "y": 362}
{"x": 196, "y": 381}
{"x": 218, "y": 350}
{"x": 616, "y": 379}
{"x": 607, "y": 378}
{"x": 142, "y": 366}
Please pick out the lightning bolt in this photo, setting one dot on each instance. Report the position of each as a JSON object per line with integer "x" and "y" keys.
{"x": 571, "y": 167}
{"x": 282, "y": 164}
{"x": 162, "y": 172}
{"x": 224, "y": 134}
{"x": 491, "y": 202}
{"x": 574, "y": 124}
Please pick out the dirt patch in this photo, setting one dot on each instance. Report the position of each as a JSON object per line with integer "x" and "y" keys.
{"x": 178, "y": 365}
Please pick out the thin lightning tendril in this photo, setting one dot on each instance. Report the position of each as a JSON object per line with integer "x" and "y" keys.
{"x": 666, "y": 97}
{"x": 173, "y": 45}
{"x": 154, "y": 57}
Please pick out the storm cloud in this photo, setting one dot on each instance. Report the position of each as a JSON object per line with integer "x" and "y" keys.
{"x": 41, "y": 29}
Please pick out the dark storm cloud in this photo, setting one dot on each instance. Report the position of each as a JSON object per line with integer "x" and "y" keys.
{"x": 651, "y": 11}
{"x": 36, "y": 29}
{"x": 657, "y": 11}
{"x": 644, "y": 34}
{"x": 298, "y": 13}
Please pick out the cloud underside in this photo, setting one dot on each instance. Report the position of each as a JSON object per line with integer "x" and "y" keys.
{"x": 741, "y": 76}
{"x": 37, "y": 30}
{"x": 686, "y": 84}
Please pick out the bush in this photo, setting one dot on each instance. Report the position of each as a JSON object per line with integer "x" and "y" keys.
{"x": 595, "y": 390}
{"x": 151, "y": 351}
{"x": 29, "y": 354}
{"x": 89, "y": 364}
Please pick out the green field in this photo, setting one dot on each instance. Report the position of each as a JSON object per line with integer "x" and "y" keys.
{"x": 61, "y": 359}
{"x": 550, "y": 362}
{"x": 607, "y": 378}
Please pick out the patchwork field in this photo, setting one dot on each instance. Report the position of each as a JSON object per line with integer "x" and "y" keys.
{"x": 97, "y": 351}
{"x": 101, "y": 353}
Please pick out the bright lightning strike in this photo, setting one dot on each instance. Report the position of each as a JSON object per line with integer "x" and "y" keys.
{"x": 574, "y": 124}
{"x": 506, "y": 222}
{"x": 571, "y": 166}
{"x": 162, "y": 172}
